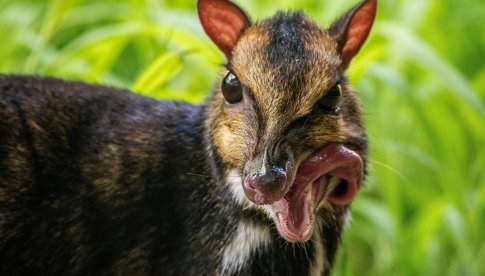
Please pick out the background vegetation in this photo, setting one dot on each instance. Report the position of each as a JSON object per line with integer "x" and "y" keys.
{"x": 421, "y": 77}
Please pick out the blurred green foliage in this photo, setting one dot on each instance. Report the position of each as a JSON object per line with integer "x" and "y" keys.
{"x": 421, "y": 77}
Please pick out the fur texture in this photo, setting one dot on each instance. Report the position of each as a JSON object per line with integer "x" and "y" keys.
{"x": 98, "y": 180}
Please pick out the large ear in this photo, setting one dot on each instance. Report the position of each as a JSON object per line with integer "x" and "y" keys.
{"x": 352, "y": 29}
{"x": 223, "y": 22}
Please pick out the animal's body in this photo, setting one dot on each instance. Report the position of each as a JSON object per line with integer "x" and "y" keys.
{"x": 256, "y": 181}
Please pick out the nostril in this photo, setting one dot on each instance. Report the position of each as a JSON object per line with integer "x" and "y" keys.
{"x": 265, "y": 186}
{"x": 269, "y": 181}
{"x": 274, "y": 179}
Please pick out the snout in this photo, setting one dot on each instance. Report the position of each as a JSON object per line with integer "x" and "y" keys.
{"x": 268, "y": 176}
{"x": 266, "y": 185}
{"x": 333, "y": 172}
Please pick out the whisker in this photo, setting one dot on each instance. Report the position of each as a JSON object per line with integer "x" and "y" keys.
{"x": 390, "y": 168}
{"x": 196, "y": 174}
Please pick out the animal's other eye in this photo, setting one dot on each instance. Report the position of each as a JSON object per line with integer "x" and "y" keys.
{"x": 232, "y": 89}
{"x": 332, "y": 99}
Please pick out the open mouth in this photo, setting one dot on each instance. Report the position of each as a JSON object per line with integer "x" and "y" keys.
{"x": 333, "y": 173}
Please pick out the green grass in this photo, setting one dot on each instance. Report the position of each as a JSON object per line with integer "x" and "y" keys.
{"x": 421, "y": 77}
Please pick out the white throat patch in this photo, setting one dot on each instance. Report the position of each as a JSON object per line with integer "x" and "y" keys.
{"x": 249, "y": 239}
{"x": 234, "y": 182}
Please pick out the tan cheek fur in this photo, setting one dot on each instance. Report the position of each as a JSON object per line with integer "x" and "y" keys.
{"x": 229, "y": 144}
{"x": 235, "y": 132}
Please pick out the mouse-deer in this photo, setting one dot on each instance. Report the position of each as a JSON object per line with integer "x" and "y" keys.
{"x": 258, "y": 180}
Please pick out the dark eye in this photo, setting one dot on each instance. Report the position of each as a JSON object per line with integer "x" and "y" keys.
{"x": 332, "y": 99}
{"x": 231, "y": 89}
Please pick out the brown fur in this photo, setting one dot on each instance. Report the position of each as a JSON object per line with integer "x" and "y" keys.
{"x": 97, "y": 180}
{"x": 276, "y": 97}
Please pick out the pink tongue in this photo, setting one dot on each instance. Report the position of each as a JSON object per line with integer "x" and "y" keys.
{"x": 295, "y": 210}
{"x": 299, "y": 212}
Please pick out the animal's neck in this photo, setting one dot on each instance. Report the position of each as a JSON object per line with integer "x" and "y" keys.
{"x": 256, "y": 249}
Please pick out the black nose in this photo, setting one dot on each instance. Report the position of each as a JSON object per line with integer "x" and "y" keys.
{"x": 269, "y": 179}
{"x": 266, "y": 177}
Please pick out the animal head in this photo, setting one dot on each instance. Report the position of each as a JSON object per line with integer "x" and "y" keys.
{"x": 283, "y": 121}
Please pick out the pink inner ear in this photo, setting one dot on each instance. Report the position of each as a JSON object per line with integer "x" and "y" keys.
{"x": 223, "y": 22}
{"x": 358, "y": 30}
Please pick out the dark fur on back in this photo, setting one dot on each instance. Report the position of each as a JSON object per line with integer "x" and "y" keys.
{"x": 85, "y": 168}
{"x": 99, "y": 180}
